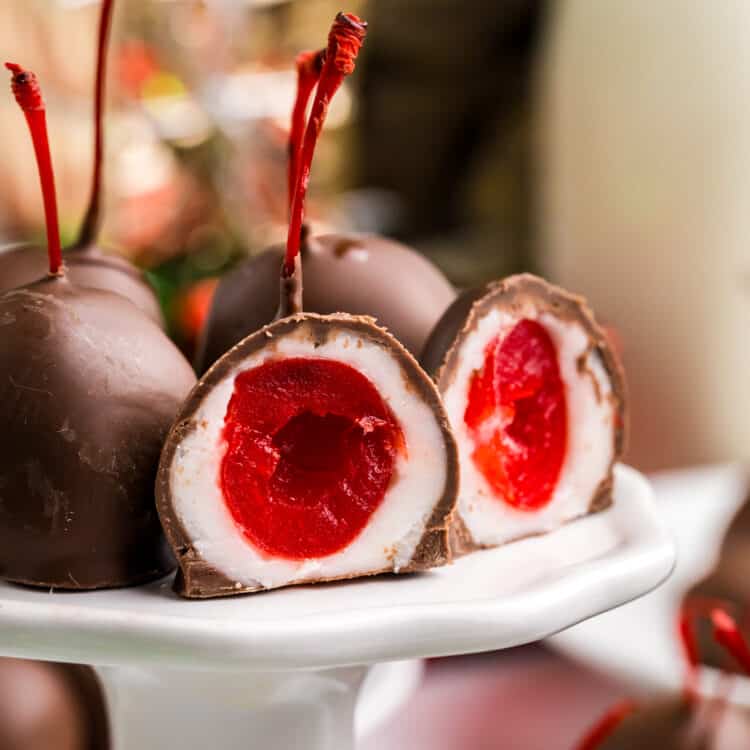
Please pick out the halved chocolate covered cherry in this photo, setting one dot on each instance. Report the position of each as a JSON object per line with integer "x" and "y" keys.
{"x": 535, "y": 397}
{"x": 316, "y": 449}
{"x": 87, "y": 265}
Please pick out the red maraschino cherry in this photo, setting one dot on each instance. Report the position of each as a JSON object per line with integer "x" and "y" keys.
{"x": 300, "y": 432}
{"x": 517, "y": 416}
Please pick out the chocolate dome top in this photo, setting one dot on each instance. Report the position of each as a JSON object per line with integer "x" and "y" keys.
{"x": 87, "y": 267}
{"x": 359, "y": 274}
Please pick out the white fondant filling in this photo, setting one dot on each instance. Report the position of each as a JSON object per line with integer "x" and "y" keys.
{"x": 390, "y": 538}
{"x": 590, "y": 445}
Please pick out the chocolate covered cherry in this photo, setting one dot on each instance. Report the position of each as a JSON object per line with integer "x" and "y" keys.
{"x": 675, "y": 724}
{"x": 314, "y": 450}
{"x": 89, "y": 385}
{"x": 535, "y": 397}
{"x": 726, "y": 584}
{"x": 688, "y": 720}
{"x": 48, "y": 706}
{"x": 86, "y": 265}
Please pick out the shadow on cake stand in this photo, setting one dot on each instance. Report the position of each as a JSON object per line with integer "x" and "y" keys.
{"x": 287, "y": 668}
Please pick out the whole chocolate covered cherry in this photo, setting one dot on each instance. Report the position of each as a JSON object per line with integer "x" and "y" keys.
{"x": 89, "y": 385}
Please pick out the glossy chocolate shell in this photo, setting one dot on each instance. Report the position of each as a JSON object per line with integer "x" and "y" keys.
{"x": 350, "y": 273}
{"x": 89, "y": 386}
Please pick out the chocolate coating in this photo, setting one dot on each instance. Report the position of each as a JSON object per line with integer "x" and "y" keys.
{"x": 730, "y": 583}
{"x": 88, "y": 389}
{"x": 196, "y": 578}
{"x": 515, "y": 294}
{"x": 87, "y": 267}
{"x": 674, "y": 724}
{"x": 352, "y": 273}
{"x": 729, "y": 579}
{"x": 47, "y": 706}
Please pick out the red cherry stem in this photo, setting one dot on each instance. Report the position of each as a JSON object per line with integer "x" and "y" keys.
{"x": 90, "y": 226}
{"x": 309, "y": 65}
{"x": 344, "y": 41}
{"x": 25, "y": 87}
{"x": 716, "y": 610}
{"x": 690, "y": 651}
{"x": 606, "y": 725}
{"x": 727, "y": 633}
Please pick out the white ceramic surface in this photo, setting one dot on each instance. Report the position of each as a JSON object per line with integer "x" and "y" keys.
{"x": 387, "y": 687}
{"x": 638, "y": 642}
{"x": 272, "y": 669}
{"x": 166, "y": 708}
{"x": 490, "y": 600}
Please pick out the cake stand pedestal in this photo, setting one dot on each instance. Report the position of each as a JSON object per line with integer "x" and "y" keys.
{"x": 284, "y": 669}
{"x": 176, "y": 708}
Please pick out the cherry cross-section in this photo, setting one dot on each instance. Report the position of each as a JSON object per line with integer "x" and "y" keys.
{"x": 517, "y": 417}
{"x": 311, "y": 449}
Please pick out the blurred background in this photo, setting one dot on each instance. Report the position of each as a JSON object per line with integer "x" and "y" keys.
{"x": 605, "y": 145}
{"x": 429, "y": 142}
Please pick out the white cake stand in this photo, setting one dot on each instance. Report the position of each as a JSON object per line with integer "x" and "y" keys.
{"x": 285, "y": 669}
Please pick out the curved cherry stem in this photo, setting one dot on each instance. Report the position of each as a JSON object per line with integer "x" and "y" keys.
{"x": 606, "y": 725}
{"x": 689, "y": 642}
{"x": 344, "y": 42}
{"x": 727, "y": 633}
{"x": 25, "y": 87}
{"x": 309, "y": 65}
{"x": 695, "y": 608}
{"x": 91, "y": 221}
